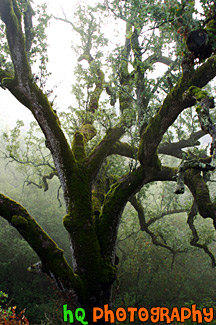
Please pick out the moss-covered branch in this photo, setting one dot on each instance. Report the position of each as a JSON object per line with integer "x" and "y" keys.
{"x": 189, "y": 164}
{"x": 140, "y": 68}
{"x": 99, "y": 83}
{"x": 78, "y": 146}
{"x": 200, "y": 191}
{"x": 113, "y": 207}
{"x": 196, "y": 184}
{"x": 123, "y": 149}
{"x": 176, "y": 101}
{"x": 11, "y": 16}
{"x": 115, "y": 200}
{"x": 100, "y": 152}
{"x": 206, "y": 103}
{"x": 126, "y": 79}
{"x": 28, "y": 93}
{"x": 50, "y": 254}
{"x": 80, "y": 139}
{"x": 4, "y": 74}
{"x": 166, "y": 173}
{"x": 173, "y": 149}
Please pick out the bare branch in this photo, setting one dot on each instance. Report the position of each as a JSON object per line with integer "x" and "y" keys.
{"x": 175, "y": 149}
{"x": 144, "y": 226}
{"x": 65, "y": 20}
{"x": 194, "y": 241}
{"x": 44, "y": 184}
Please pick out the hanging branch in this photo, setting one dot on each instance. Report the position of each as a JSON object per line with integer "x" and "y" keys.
{"x": 44, "y": 184}
{"x": 208, "y": 127}
{"x": 188, "y": 164}
{"x": 195, "y": 238}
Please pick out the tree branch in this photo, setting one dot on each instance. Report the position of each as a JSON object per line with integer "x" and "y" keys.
{"x": 189, "y": 164}
{"x": 144, "y": 226}
{"x": 44, "y": 184}
{"x": 123, "y": 149}
{"x": 27, "y": 92}
{"x": 11, "y": 16}
{"x": 195, "y": 239}
{"x": 200, "y": 192}
{"x": 176, "y": 101}
{"x": 50, "y": 254}
{"x": 4, "y": 74}
{"x": 113, "y": 207}
{"x": 28, "y": 14}
{"x": 175, "y": 149}
{"x": 100, "y": 152}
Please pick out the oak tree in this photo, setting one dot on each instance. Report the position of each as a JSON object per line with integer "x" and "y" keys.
{"x": 113, "y": 143}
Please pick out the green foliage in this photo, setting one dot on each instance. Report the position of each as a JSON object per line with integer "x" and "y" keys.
{"x": 5, "y": 59}
{"x": 38, "y": 53}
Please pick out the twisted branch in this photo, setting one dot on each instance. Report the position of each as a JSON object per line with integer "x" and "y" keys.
{"x": 195, "y": 238}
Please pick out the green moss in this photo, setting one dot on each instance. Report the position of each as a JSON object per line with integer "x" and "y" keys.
{"x": 97, "y": 269}
{"x": 198, "y": 93}
{"x": 97, "y": 200}
{"x": 200, "y": 190}
{"x": 156, "y": 162}
{"x": 211, "y": 30}
{"x": 5, "y": 205}
{"x": 149, "y": 135}
{"x": 198, "y": 109}
{"x": 211, "y": 26}
{"x": 86, "y": 57}
{"x": 78, "y": 146}
{"x": 91, "y": 266}
{"x": 67, "y": 222}
{"x": 115, "y": 201}
{"x": 89, "y": 131}
{"x": 8, "y": 83}
{"x": 50, "y": 254}
{"x": 95, "y": 96}
{"x": 19, "y": 221}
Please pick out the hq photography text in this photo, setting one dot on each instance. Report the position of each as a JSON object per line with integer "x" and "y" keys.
{"x": 155, "y": 314}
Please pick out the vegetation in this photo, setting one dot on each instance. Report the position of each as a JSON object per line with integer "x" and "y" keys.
{"x": 112, "y": 145}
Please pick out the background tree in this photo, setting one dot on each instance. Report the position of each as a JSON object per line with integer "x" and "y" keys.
{"x": 150, "y": 118}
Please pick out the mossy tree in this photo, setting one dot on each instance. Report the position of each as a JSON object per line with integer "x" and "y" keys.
{"x": 148, "y": 108}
